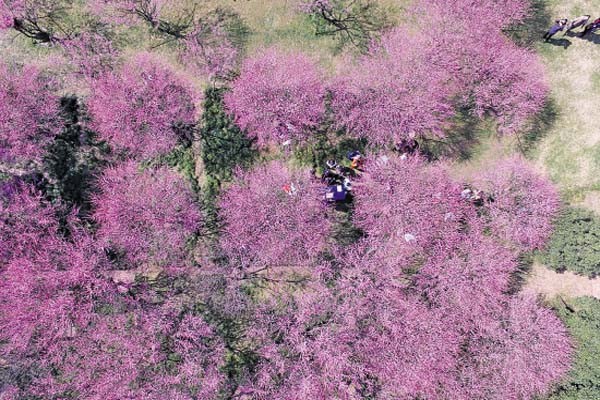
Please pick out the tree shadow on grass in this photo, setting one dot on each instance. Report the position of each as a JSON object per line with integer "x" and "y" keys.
{"x": 533, "y": 27}
{"x": 519, "y": 276}
{"x": 542, "y": 123}
{"x": 460, "y": 141}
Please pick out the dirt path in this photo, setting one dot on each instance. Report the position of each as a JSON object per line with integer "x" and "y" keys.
{"x": 550, "y": 284}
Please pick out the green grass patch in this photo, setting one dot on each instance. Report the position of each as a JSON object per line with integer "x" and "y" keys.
{"x": 595, "y": 78}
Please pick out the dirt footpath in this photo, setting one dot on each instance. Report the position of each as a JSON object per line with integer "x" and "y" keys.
{"x": 550, "y": 284}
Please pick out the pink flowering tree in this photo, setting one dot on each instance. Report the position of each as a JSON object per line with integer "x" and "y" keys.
{"x": 46, "y": 295}
{"x": 143, "y": 354}
{"x": 24, "y": 219}
{"x": 148, "y": 214}
{"x": 47, "y": 283}
{"x": 511, "y": 87}
{"x": 403, "y": 348}
{"x": 62, "y": 315}
{"x": 418, "y": 308}
{"x": 138, "y": 108}
{"x": 214, "y": 44}
{"x": 277, "y": 97}
{"x": 41, "y": 21}
{"x": 520, "y": 353}
{"x": 91, "y": 53}
{"x": 493, "y": 77}
{"x": 370, "y": 336}
{"x": 491, "y": 14}
{"x": 135, "y": 352}
{"x": 524, "y": 203}
{"x": 467, "y": 276}
{"x": 28, "y": 117}
{"x": 274, "y": 220}
{"x": 395, "y": 91}
{"x": 48, "y": 22}
{"x": 397, "y": 196}
{"x": 412, "y": 82}
{"x": 363, "y": 338}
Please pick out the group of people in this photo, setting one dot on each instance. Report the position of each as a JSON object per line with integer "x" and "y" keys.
{"x": 475, "y": 196}
{"x": 563, "y": 25}
{"x": 338, "y": 177}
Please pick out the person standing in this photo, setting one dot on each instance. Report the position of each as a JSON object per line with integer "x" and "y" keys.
{"x": 577, "y": 22}
{"x": 590, "y": 28}
{"x": 558, "y": 26}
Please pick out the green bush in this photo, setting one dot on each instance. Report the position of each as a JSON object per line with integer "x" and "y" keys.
{"x": 575, "y": 244}
{"x": 224, "y": 145}
{"x": 182, "y": 159}
{"x": 582, "y": 318}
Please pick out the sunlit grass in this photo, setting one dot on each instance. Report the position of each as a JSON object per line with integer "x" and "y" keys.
{"x": 570, "y": 151}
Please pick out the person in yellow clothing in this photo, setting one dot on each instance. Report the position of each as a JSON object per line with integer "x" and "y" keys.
{"x": 356, "y": 160}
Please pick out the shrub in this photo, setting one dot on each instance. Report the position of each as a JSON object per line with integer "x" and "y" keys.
{"x": 575, "y": 244}
{"x": 583, "y": 382}
{"x": 224, "y": 145}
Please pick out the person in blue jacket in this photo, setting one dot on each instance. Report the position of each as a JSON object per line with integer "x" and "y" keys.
{"x": 558, "y": 26}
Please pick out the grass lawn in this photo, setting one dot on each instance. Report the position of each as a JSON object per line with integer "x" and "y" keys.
{"x": 570, "y": 150}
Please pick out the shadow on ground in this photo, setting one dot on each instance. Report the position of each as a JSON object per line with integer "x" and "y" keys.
{"x": 564, "y": 43}
{"x": 533, "y": 27}
{"x": 542, "y": 123}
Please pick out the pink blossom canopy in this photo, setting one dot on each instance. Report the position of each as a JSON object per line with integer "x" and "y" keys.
{"x": 273, "y": 218}
{"x": 277, "y": 97}
{"x": 28, "y": 114}
{"x": 149, "y": 214}
{"x": 524, "y": 203}
{"x": 137, "y": 108}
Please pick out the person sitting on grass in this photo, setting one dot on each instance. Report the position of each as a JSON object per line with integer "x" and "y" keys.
{"x": 332, "y": 174}
{"x": 558, "y": 26}
{"x": 356, "y": 160}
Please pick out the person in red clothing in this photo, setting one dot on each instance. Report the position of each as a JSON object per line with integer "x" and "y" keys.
{"x": 590, "y": 27}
